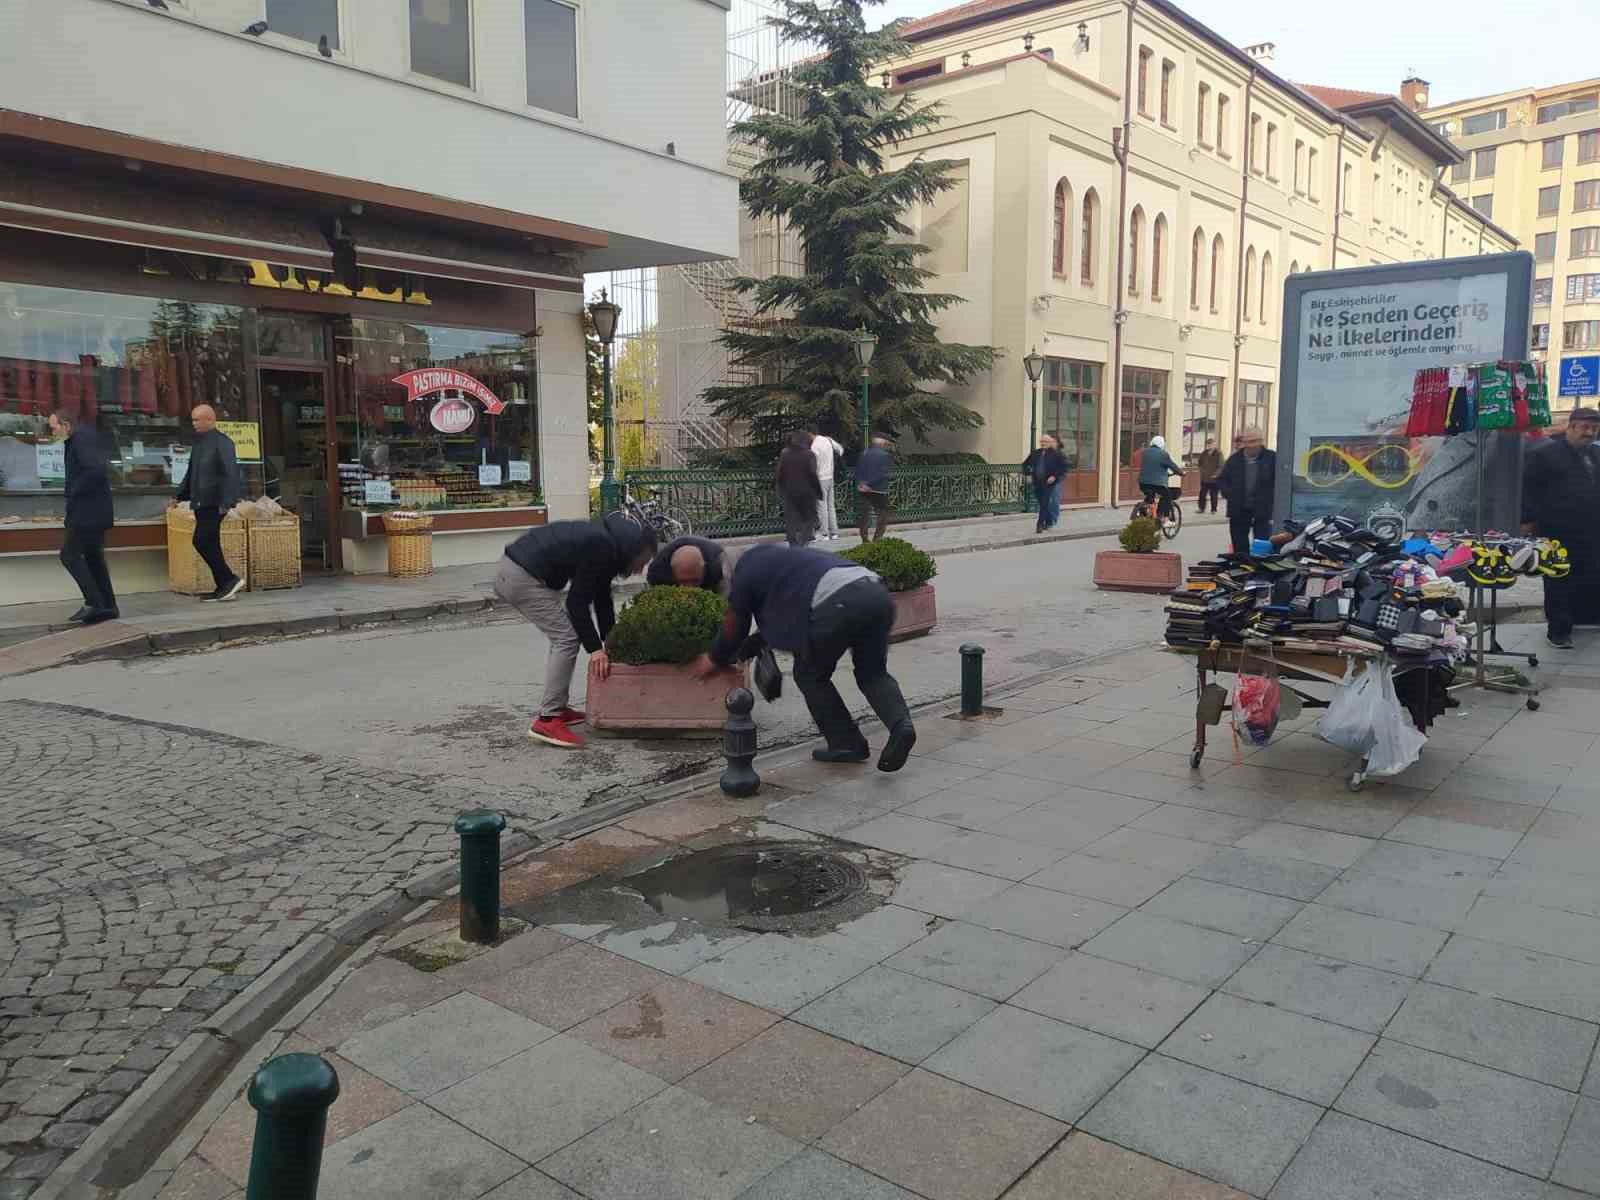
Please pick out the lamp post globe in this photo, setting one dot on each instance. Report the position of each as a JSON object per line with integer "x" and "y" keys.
{"x": 603, "y": 313}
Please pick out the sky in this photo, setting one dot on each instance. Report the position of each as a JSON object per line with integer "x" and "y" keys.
{"x": 1479, "y": 48}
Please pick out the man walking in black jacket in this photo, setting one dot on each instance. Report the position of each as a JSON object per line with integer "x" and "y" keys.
{"x": 83, "y": 551}
{"x": 581, "y": 558}
{"x": 817, "y": 605}
{"x": 1045, "y": 467}
{"x": 1247, "y": 480}
{"x": 873, "y": 470}
{"x": 212, "y": 487}
{"x": 1561, "y": 500}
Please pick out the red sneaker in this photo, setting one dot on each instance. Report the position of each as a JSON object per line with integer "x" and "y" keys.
{"x": 555, "y": 732}
{"x": 573, "y": 716}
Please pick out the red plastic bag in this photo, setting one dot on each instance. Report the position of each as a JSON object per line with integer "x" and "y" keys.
{"x": 1257, "y": 701}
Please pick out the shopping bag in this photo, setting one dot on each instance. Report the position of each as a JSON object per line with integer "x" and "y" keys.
{"x": 1396, "y": 741}
{"x": 1256, "y": 703}
{"x": 1351, "y": 713}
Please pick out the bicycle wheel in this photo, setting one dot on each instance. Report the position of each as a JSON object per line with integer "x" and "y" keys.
{"x": 1173, "y": 521}
{"x": 675, "y": 524}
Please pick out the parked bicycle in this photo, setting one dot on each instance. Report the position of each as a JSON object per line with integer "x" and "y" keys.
{"x": 667, "y": 525}
{"x": 1161, "y": 505}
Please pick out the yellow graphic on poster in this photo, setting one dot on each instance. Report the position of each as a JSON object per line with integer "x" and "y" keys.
{"x": 246, "y": 438}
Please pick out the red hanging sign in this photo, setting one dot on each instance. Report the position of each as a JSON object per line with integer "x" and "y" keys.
{"x": 426, "y": 381}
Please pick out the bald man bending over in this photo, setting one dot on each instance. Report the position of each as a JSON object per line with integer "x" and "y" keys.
{"x": 212, "y": 488}
{"x": 689, "y": 562}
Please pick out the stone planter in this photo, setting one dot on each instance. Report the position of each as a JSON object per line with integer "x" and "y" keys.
{"x": 914, "y": 613}
{"x": 660, "y": 700}
{"x": 1120, "y": 571}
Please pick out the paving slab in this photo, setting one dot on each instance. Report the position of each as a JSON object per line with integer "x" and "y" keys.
{"x": 414, "y": 1155}
{"x": 1445, "y": 834}
{"x": 1107, "y": 997}
{"x": 1243, "y": 913}
{"x": 1360, "y": 938}
{"x": 442, "y": 1044}
{"x": 894, "y": 1013}
{"x": 811, "y": 1174}
{"x": 673, "y": 946}
{"x": 1341, "y": 992}
{"x": 673, "y": 1147}
{"x": 976, "y": 959}
{"x": 1233, "y": 1132}
{"x": 1320, "y": 846}
{"x": 876, "y": 934}
{"x": 1172, "y": 948}
{"x": 1196, "y": 824}
{"x": 570, "y": 986}
{"x": 1419, "y": 864}
{"x": 1044, "y": 915}
{"x": 1258, "y": 872}
{"x": 1495, "y": 1033}
{"x": 1436, "y": 903}
{"x": 1579, "y": 1162}
{"x": 795, "y": 1080}
{"x": 1103, "y": 879}
{"x": 778, "y": 972}
{"x": 1153, "y": 851}
{"x": 945, "y": 891}
{"x": 532, "y": 1185}
{"x": 1568, "y": 935}
{"x": 673, "y": 1029}
{"x": 1086, "y": 1168}
{"x": 1049, "y": 1066}
{"x": 1347, "y": 1159}
{"x": 1508, "y": 1120}
{"x": 546, "y": 1097}
{"x": 944, "y": 1140}
{"x": 991, "y": 854}
{"x": 1050, "y": 825}
{"x": 1369, "y": 815}
{"x": 1558, "y": 985}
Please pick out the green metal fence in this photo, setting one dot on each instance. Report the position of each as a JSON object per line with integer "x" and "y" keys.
{"x": 744, "y": 503}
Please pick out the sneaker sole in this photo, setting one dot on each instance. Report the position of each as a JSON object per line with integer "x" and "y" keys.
{"x": 550, "y": 741}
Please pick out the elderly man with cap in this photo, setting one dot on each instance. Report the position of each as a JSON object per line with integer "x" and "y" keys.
{"x": 1561, "y": 500}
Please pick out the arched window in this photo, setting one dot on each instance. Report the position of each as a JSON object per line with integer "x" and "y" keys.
{"x": 1158, "y": 257}
{"x": 1266, "y": 287}
{"x": 1248, "y": 280}
{"x": 1216, "y": 273}
{"x": 1347, "y": 197}
{"x": 1294, "y": 267}
{"x": 1135, "y": 249}
{"x": 1091, "y": 221}
{"x": 1196, "y": 256}
{"x": 1059, "y": 251}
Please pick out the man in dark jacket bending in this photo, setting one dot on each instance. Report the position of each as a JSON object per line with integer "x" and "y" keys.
{"x": 689, "y": 562}
{"x": 581, "y": 558}
{"x": 817, "y": 605}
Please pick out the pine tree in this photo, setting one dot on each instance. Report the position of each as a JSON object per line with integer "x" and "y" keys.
{"x": 822, "y": 171}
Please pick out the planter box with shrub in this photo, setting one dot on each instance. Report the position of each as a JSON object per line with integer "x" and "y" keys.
{"x": 905, "y": 571}
{"x": 1138, "y": 566}
{"x": 650, "y": 692}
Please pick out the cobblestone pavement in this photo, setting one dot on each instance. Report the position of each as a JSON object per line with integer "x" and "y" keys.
{"x": 148, "y": 873}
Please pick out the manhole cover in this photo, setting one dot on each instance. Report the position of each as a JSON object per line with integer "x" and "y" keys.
{"x": 730, "y": 882}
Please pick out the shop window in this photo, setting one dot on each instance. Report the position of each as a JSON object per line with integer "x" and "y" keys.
{"x": 1550, "y": 201}
{"x": 1582, "y": 288}
{"x": 1072, "y": 413}
{"x": 131, "y": 367}
{"x": 441, "y": 40}
{"x": 1586, "y": 195}
{"x": 551, "y": 32}
{"x": 1580, "y": 335}
{"x": 1144, "y": 399}
{"x": 1483, "y": 164}
{"x": 1254, "y": 407}
{"x": 307, "y": 20}
{"x": 1586, "y": 242}
{"x": 434, "y": 440}
{"x": 1202, "y": 416}
{"x": 1543, "y": 289}
{"x": 1544, "y": 247}
{"x": 1554, "y": 149}
{"x": 944, "y": 224}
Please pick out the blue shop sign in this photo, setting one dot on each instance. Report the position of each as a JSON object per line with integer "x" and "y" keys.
{"x": 1580, "y": 376}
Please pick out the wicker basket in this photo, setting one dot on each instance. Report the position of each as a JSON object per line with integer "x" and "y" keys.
{"x": 274, "y": 553}
{"x": 187, "y": 573}
{"x": 410, "y": 544}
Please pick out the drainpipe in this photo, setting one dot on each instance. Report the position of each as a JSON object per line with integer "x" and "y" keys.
{"x": 1238, "y": 274}
{"x": 1119, "y": 148}
{"x": 1340, "y": 199}
{"x": 1444, "y": 238}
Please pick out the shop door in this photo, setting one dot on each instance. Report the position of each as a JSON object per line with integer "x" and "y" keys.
{"x": 295, "y": 430}
{"x": 1202, "y": 423}
{"x": 1072, "y": 414}
{"x": 1141, "y": 418}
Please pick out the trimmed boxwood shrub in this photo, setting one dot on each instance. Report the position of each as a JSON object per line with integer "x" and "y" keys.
{"x": 900, "y": 565}
{"x": 666, "y": 625}
{"x": 1140, "y": 537}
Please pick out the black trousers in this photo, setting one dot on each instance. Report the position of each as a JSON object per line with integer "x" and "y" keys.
{"x": 1212, "y": 488}
{"x": 856, "y": 618}
{"x": 1242, "y": 526}
{"x": 868, "y": 503}
{"x": 208, "y": 545}
{"x": 83, "y": 554}
{"x": 1574, "y": 600}
{"x": 799, "y": 520}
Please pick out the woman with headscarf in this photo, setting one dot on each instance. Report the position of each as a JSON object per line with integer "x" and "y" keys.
{"x": 799, "y": 488}
{"x": 1155, "y": 468}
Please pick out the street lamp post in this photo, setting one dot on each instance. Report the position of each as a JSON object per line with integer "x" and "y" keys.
{"x": 1033, "y": 364}
{"x": 603, "y": 313}
{"x": 865, "y": 344}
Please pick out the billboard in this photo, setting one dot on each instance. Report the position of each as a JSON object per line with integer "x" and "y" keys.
{"x": 1353, "y": 340}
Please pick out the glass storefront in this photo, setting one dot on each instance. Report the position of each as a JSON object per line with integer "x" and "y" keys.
{"x": 1202, "y": 423}
{"x": 1143, "y": 411}
{"x": 1072, "y": 414}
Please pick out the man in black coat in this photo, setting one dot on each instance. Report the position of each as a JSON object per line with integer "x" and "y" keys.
{"x": 1247, "y": 480}
{"x": 1561, "y": 500}
{"x": 212, "y": 488}
{"x": 83, "y": 551}
{"x": 1045, "y": 466}
{"x": 688, "y": 562}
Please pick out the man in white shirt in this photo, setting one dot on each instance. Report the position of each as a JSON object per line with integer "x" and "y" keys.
{"x": 825, "y": 448}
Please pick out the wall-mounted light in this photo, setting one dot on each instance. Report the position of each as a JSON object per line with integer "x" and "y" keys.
{"x": 1083, "y": 36}
{"x": 966, "y": 58}
{"x": 884, "y": 79}
{"x": 1027, "y": 43}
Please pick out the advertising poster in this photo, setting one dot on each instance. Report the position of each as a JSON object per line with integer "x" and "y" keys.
{"x": 1353, "y": 343}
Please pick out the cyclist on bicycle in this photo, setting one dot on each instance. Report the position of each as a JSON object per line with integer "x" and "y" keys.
{"x": 1155, "y": 468}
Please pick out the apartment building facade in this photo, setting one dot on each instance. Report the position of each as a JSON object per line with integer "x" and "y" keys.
{"x": 1133, "y": 191}
{"x": 357, "y": 228}
{"x": 1531, "y": 161}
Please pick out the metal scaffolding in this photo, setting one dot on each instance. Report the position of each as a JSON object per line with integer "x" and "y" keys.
{"x": 667, "y": 351}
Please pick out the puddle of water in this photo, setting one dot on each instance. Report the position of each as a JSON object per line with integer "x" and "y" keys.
{"x": 728, "y": 883}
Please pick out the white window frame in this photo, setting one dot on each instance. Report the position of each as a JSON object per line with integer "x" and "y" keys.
{"x": 577, "y": 59}
{"x": 427, "y": 80}
{"x": 289, "y": 42}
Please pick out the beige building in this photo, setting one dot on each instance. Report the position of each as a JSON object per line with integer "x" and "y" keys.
{"x": 1531, "y": 161}
{"x": 1133, "y": 190}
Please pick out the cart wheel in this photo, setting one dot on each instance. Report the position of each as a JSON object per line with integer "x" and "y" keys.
{"x": 1194, "y": 758}
{"x": 1355, "y": 781}
{"x": 1533, "y": 705}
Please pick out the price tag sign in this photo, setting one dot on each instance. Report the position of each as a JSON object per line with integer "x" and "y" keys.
{"x": 51, "y": 459}
{"x": 521, "y": 472}
{"x": 379, "y": 491}
{"x": 489, "y": 475}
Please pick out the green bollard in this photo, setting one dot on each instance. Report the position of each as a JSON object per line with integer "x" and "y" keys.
{"x": 480, "y": 874}
{"x": 291, "y": 1095}
{"x": 972, "y": 680}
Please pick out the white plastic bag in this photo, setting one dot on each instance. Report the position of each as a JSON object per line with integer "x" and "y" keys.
{"x": 1348, "y": 723}
{"x": 1396, "y": 739}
